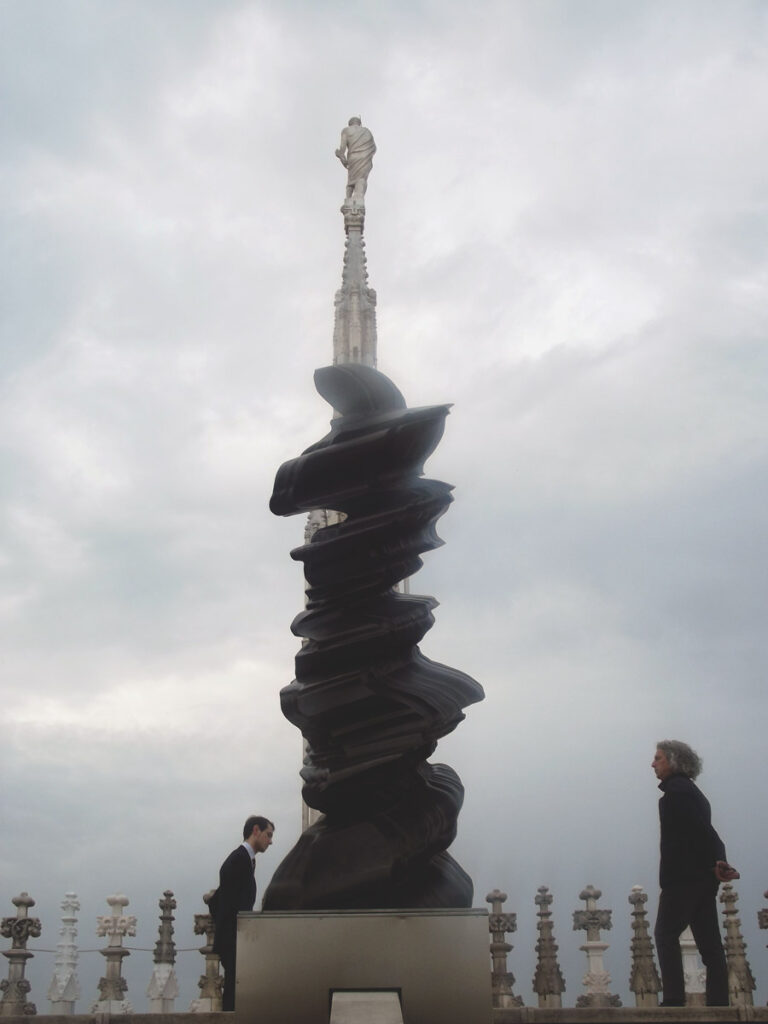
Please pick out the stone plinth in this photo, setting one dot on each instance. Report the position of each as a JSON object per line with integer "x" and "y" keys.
{"x": 290, "y": 963}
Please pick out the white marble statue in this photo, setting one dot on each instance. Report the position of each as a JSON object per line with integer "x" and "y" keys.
{"x": 356, "y": 154}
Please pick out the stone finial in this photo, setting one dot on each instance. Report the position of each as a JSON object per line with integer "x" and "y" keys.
{"x": 211, "y": 984}
{"x": 593, "y": 920}
{"x": 741, "y": 983}
{"x": 644, "y": 978}
{"x": 19, "y": 929}
{"x": 762, "y": 915}
{"x": 499, "y": 924}
{"x": 165, "y": 948}
{"x": 64, "y": 990}
{"x": 548, "y": 981}
{"x": 163, "y": 986}
{"x": 113, "y": 986}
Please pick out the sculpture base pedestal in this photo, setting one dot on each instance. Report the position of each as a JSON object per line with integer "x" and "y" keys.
{"x": 290, "y": 963}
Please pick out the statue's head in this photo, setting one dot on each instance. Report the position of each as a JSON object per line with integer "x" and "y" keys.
{"x": 354, "y": 120}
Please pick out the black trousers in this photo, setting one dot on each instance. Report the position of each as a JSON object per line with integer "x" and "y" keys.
{"x": 228, "y": 995}
{"x": 692, "y": 904}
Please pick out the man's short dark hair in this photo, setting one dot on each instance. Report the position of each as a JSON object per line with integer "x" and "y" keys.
{"x": 256, "y": 819}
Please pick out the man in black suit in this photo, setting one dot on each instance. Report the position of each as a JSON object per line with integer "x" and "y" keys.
{"x": 692, "y": 866}
{"x": 236, "y": 892}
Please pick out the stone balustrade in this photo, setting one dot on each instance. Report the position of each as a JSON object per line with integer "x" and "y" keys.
{"x": 548, "y": 982}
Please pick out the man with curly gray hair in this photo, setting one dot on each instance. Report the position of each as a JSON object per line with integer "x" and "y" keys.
{"x": 692, "y": 866}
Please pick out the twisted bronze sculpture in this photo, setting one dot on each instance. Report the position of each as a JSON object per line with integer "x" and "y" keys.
{"x": 370, "y": 706}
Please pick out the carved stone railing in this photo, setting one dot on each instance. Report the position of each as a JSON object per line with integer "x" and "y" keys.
{"x": 508, "y": 1007}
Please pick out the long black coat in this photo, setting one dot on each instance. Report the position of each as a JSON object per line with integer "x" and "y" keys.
{"x": 236, "y": 892}
{"x": 689, "y": 844}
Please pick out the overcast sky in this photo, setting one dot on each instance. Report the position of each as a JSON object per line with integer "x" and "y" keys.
{"x": 567, "y": 228}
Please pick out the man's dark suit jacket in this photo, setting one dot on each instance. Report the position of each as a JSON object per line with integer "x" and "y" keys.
{"x": 689, "y": 844}
{"x": 237, "y": 891}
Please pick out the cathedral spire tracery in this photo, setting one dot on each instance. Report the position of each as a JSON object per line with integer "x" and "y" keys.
{"x": 354, "y": 332}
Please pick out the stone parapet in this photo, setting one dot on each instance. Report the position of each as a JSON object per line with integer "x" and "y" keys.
{"x": 629, "y": 1014}
{"x": 140, "y": 1018}
{"x": 18, "y": 993}
{"x": 512, "y": 1015}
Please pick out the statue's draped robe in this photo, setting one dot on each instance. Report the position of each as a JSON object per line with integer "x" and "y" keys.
{"x": 360, "y": 150}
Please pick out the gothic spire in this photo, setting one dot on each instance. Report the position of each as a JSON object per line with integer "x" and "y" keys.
{"x": 354, "y": 332}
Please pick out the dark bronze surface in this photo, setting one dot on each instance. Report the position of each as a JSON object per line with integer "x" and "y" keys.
{"x": 369, "y": 704}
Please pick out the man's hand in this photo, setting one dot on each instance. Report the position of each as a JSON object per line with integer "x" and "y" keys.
{"x": 724, "y": 872}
